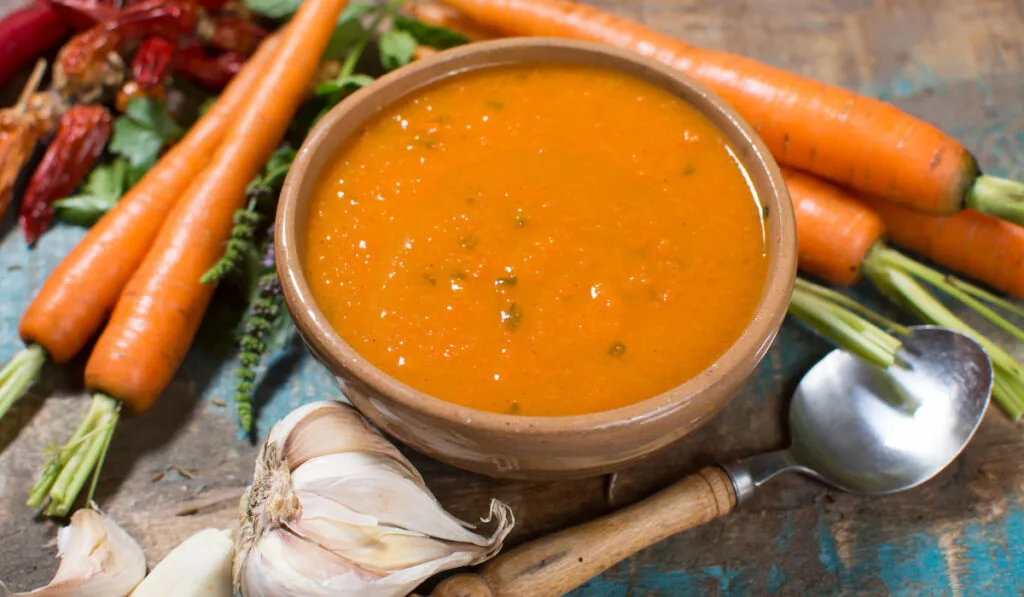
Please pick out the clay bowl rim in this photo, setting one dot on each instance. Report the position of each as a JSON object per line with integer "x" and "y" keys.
{"x": 334, "y": 353}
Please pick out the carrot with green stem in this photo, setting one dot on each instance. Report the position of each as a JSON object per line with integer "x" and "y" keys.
{"x": 839, "y": 239}
{"x": 156, "y": 318}
{"x": 969, "y": 243}
{"x": 77, "y": 297}
{"x": 850, "y": 139}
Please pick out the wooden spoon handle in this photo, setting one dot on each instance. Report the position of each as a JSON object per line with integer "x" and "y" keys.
{"x": 554, "y": 565}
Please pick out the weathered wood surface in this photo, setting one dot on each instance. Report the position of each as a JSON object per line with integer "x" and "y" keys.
{"x": 957, "y": 63}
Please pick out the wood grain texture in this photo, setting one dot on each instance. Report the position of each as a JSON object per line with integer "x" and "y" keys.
{"x": 956, "y": 63}
{"x": 554, "y": 565}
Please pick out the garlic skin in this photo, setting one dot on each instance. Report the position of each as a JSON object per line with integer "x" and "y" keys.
{"x": 199, "y": 567}
{"x": 98, "y": 559}
{"x": 335, "y": 509}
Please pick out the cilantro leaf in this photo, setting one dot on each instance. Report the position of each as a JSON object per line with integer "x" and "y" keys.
{"x": 101, "y": 191}
{"x": 346, "y": 34}
{"x": 430, "y": 35}
{"x": 396, "y": 48}
{"x": 142, "y": 131}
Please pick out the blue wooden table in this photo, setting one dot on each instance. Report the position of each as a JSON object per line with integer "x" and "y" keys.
{"x": 181, "y": 467}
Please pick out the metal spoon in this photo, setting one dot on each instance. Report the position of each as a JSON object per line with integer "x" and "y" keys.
{"x": 854, "y": 426}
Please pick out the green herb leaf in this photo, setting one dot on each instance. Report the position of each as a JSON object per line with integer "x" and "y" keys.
{"x": 142, "y": 131}
{"x": 101, "y": 191}
{"x": 346, "y": 34}
{"x": 273, "y": 9}
{"x": 429, "y": 35}
{"x": 396, "y": 49}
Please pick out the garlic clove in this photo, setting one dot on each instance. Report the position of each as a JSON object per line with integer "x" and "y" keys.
{"x": 329, "y": 427}
{"x": 98, "y": 559}
{"x": 369, "y": 484}
{"x": 199, "y": 567}
{"x": 376, "y": 547}
{"x": 283, "y": 565}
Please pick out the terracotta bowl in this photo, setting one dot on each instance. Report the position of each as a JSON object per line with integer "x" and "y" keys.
{"x": 517, "y": 446}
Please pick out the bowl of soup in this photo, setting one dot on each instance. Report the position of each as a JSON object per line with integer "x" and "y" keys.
{"x": 536, "y": 258}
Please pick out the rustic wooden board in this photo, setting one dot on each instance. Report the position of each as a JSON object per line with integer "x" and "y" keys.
{"x": 957, "y": 63}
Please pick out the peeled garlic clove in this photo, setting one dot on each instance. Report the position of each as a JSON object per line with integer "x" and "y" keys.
{"x": 335, "y": 509}
{"x": 199, "y": 567}
{"x": 98, "y": 559}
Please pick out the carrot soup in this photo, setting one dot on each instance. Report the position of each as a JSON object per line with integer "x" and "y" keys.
{"x": 539, "y": 239}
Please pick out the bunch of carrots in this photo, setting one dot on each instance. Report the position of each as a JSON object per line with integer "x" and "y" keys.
{"x": 143, "y": 261}
{"x": 893, "y": 176}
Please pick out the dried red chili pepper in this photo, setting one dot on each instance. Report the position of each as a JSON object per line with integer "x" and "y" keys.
{"x": 213, "y": 5}
{"x": 170, "y": 19}
{"x": 153, "y": 62}
{"x": 27, "y": 34}
{"x": 211, "y": 72}
{"x": 81, "y": 135}
{"x": 232, "y": 33}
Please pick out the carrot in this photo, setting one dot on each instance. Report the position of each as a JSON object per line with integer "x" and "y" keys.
{"x": 970, "y": 243}
{"x": 77, "y": 297}
{"x": 835, "y": 232}
{"x": 157, "y": 316}
{"x": 850, "y": 139}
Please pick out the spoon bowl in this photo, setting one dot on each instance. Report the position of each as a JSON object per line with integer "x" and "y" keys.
{"x": 870, "y": 431}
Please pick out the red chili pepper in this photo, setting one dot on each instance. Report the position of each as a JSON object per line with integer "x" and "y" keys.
{"x": 234, "y": 34}
{"x": 27, "y": 34}
{"x": 81, "y": 135}
{"x": 83, "y": 14}
{"x": 152, "y": 62}
{"x": 211, "y": 72}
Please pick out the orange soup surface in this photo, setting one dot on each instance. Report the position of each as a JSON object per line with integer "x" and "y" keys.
{"x": 542, "y": 239}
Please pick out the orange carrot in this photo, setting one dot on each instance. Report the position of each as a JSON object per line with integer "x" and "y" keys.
{"x": 832, "y": 132}
{"x": 157, "y": 316}
{"x": 834, "y": 231}
{"x": 77, "y": 297}
{"x": 973, "y": 244}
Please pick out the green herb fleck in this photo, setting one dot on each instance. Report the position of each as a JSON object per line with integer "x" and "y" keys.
{"x": 509, "y": 281}
{"x": 520, "y": 221}
{"x": 514, "y": 408}
{"x": 495, "y": 104}
{"x": 764, "y": 211}
{"x": 396, "y": 48}
{"x": 458, "y": 275}
{"x": 689, "y": 170}
{"x": 617, "y": 349}
{"x": 512, "y": 317}
{"x": 467, "y": 242}
{"x": 429, "y": 279}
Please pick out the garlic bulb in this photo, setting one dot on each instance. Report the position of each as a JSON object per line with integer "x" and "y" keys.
{"x": 336, "y": 510}
{"x": 199, "y": 567}
{"x": 98, "y": 558}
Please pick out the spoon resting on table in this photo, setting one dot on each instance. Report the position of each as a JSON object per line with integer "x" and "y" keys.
{"x": 854, "y": 426}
